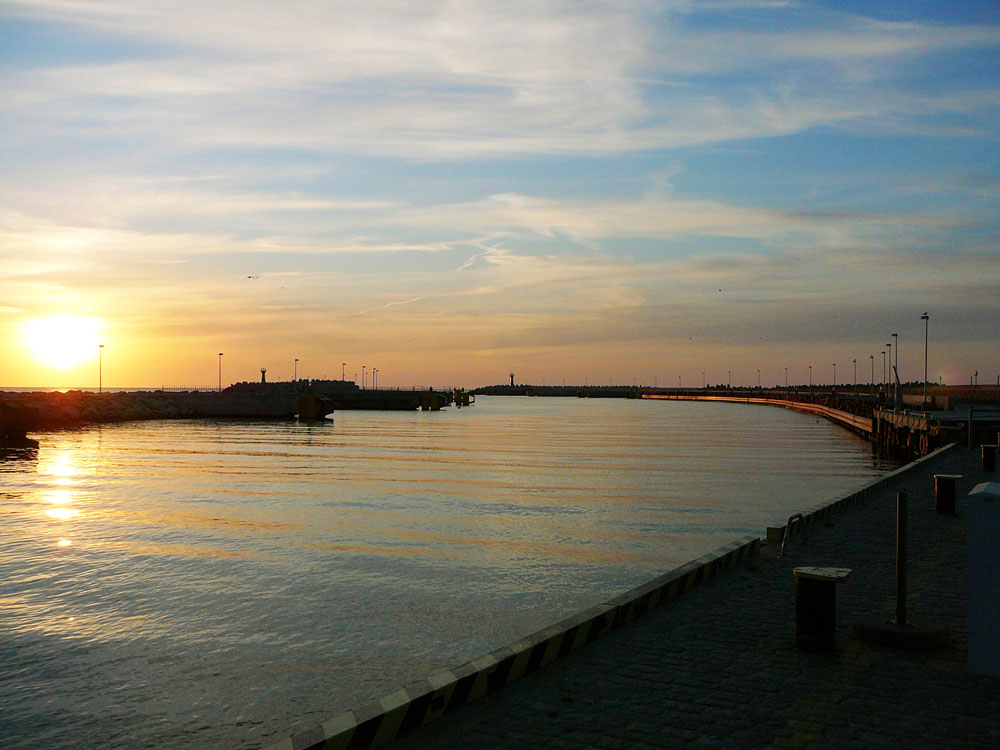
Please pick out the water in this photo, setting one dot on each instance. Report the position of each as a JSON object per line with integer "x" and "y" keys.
{"x": 221, "y": 583}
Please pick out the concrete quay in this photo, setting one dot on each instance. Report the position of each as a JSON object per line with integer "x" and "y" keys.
{"x": 718, "y": 667}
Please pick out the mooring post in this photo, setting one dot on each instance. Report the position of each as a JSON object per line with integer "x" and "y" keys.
{"x": 901, "y": 519}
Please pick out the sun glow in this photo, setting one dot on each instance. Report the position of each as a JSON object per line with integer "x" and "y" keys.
{"x": 63, "y": 341}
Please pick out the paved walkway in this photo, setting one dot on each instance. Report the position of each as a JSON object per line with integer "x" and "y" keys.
{"x": 718, "y": 668}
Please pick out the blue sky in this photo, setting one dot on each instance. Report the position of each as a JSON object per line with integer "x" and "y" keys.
{"x": 451, "y": 191}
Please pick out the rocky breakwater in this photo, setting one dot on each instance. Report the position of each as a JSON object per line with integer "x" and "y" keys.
{"x": 31, "y": 412}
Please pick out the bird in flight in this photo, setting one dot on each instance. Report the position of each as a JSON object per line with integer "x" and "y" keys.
{"x": 253, "y": 277}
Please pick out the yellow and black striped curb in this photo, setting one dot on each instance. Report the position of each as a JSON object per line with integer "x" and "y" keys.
{"x": 429, "y": 699}
{"x": 426, "y": 700}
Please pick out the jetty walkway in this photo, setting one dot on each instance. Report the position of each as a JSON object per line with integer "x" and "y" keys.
{"x": 718, "y": 667}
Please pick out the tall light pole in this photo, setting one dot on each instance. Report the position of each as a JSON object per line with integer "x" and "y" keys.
{"x": 375, "y": 378}
{"x": 730, "y": 381}
{"x": 295, "y": 370}
{"x": 926, "y": 318}
{"x": 343, "y": 371}
{"x": 786, "y": 378}
{"x": 855, "y": 361}
{"x": 810, "y": 377}
{"x": 703, "y": 380}
{"x": 100, "y": 364}
{"x": 834, "y": 376}
{"x": 871, "y": 380}
{"x": 362, "y": 377}
{"x": 890, "y": 383}
{"x": 895, "y": 343}
{"x": 220, "y": 372}
{"x": 883, "y": 368}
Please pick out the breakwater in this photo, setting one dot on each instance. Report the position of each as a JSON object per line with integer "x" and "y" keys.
{"x": 31, "y": 412}
{"x": 900, "y": 433}
{"x": 24, "y": 412}
{"x": 856, "y": 423}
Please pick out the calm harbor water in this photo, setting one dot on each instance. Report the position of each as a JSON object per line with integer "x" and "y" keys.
{"x": 219, "y": 584}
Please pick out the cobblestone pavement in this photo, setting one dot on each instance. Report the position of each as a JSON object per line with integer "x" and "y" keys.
{"x": 718, "y": 668}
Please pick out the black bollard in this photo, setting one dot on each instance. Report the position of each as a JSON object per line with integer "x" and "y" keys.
{"x": 944, "y": 493}
{"x": 901, "y": 521}
{"x": 989, "y": 457}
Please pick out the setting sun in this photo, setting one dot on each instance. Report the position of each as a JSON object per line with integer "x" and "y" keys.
{"x": 63, "y": 341}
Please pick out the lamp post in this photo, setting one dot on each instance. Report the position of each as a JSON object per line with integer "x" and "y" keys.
{"x": 883, "y": 368}
{"x": 895, "y": 386}
{"x": 834, "y": 376}
{"x": 895, "y": 343}
{"x": 871, "y": 380}
{"x": 926, "y": 318}
{"x": 100, "y": 364}
{"x": 855, "y": 361}
{"x": 889, "y": 385}
{"x": 810, "y": 377}
{"x": 703, "y": 380}
{"x": 786, "y": 378}
{"x": 220, "y": 372}
{"x": 343, "y": 371}
{"x": 362, "y": 377}
{"x": 295, "y": 370}
{"x": 375, "y": 378}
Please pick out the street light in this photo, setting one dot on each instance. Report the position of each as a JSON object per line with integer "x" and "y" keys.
{"x": 100, "y": 357}
{"x": 834, "y": 376}
{"x": 889, "y": 385}
{"x": 786, "y": 378}
{"x": 295, "y": 370}
{"x": 220, "y": 372}
{"x": 855, "y": 361}
{"x": 703, "y": 380}
{"x": 883, "y": 368}
{"x": 895, "y": 343}
{"x": 810, "y": 377}
{"x": 343, "y": 371}
{"x": 362, "y": 377}
{"x": 871, "y": 380}
{"x": 926, "y": 318}
{"x": 375, "y": 378}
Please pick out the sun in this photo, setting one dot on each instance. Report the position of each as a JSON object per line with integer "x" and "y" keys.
{"x": 63, "y": 341}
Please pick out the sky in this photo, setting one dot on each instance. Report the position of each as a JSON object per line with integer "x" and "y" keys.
{"x": 449, "y": 192}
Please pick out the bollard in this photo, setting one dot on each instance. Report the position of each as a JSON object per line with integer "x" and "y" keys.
{"x": 989, "y": 457}
{"x": 944, "y": 493}
{"x": 816, "y": 607}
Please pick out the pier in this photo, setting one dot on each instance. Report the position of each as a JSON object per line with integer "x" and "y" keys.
{"x": 902, "y": 433}
{"x": 705, "y": 656}
{"x": 719, "y": 667}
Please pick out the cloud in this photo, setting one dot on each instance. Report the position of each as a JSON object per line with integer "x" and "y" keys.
{"x": 451, "y": 81}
